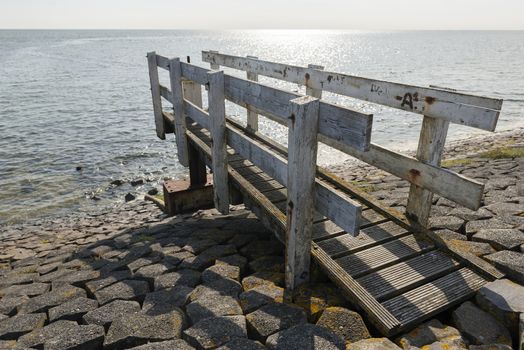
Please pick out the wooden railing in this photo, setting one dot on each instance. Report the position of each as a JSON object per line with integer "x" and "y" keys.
{"x": 439, "y": 107}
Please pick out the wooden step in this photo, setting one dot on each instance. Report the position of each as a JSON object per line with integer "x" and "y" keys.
{"x": 421, "y": 303}
{"x": 372, "y": 259}
{"x": 346, "y": 244}
{"x": 398, "y": 278}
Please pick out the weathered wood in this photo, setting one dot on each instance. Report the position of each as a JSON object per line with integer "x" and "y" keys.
{"x": 162, "y": 62}
{"x": 430, "y": 147}
{"x": 197, "y": 168}
{"x": 217, "y": 114}
{"x": 301, "y": 169}
{"x": 315, "y": 92}
{"x": 175, "y": 77}
{"x": 197, "y": 114}
{"x": 193, "y": 92}
{"x": 155, "y": 95}
{"x": 252, "y": 116}
{"x": 475, "y": 111}
{"x": 214, "y": 66}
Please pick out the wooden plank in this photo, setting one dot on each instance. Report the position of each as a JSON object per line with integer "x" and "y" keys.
{"x": 430, "y": 147}
{"x": 475, "y": 111}
{"x": 217, "y": 114}
{"x": 381, "y": 256}
{"x": 162, "y": 62}
{"x": 315, "y": 92}
{"x": 398, "y": 278}
{"x": 421, "y": 303}
{"x": 197, "y": 114}
{"x": 166, "y": 93}
{"x": 369, "y": 237}
{"x": 252, "y": 117}
{"x": 175, "y": 78}
{"x": 193, "y": 92}
{"x": 194, "y": 73}
{"x": 155, "y": 95}
{"x": 301, "y": 170}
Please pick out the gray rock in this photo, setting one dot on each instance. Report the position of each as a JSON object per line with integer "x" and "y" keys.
{"x": 512, "y": 263}
{"x": 146, "y": 261}
{"x": 305, "y": 336}
{"x": 137, "y": 329}
{"x": 490, "y": 347}
{"x": 470, "y": 215}
{"x": 76, "y": 278}
{"x": 113, "y": 277}
{"x": 521, "y": 332}
{"x": 474, "y": 226}
{"x": 72, "y": 310}
{"x": 38, "y": 337}
{"x": 125, "y": 290}
{"x": 262, "y": 277}
{"x": 166, "y": 300}
{"x": 30, "y": 290}
{"x": 260, "y": 296}
{"x": 50, "y": 299}
{"x": 504, "y": 300}
{"x": 500, "y": 238}
{"x": 186, "y": 277}
{"x": 273, "y": 318}
{"x": 212, "y": 305}
{"x": 242, "y": 343}
{"x": 197, "y": 246}
{"x": 103, "y": 316}
{"x": 8, "y": 305}
{"x": 475, "y": 248}
{"x": 445, "y": 222}
{"x": 84, "y": 337}
{"x": 345, "y": 323}
{"x": 12, "y": 279}
{"x": 268, "y": 263}
{"x": 219, "y": 271}
{"x": 373, "y": 344}
{"x": 480, "y": 327}
{"x": 234, "y": 260}
{"x": 150, "y": 272}
{"x": 176, "y": 344}
{"x": 223, "y": 286}
{"x": 18, "y": 325}
{"x": 447, "y": 235}
{"x": 506, "y": 208}
{"x": 216, "y": 331}
{"x": 3, "y": 317}
{"x": 199, "y": 262}
{"x": 432, "y": 332}
{"x": 257, "y": 249}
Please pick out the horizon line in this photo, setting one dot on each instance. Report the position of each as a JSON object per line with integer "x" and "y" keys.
{"x": 289, "y": 29}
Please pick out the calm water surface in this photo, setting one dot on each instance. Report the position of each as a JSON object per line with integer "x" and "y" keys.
{"x": 81, "y": 99}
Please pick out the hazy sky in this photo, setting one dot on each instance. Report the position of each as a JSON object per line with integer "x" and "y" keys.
{"x": 284, "y": 14}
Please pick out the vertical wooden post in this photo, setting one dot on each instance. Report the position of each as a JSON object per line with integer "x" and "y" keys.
{"x": 430, "y": 147}
{"x": 302, "y": 164}
{"x": 155, "y": 94}
{"x": 317, "y": 93}
{"x": 214, "y": 66}
{"x": 175, "y": 76}
{"x": 252, "y": 117}
{"x": 217, "y": 115}
{"x": 197, "y": 168}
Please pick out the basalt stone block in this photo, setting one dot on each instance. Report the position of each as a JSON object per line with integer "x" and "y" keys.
{"x": 345, "y": 323}
{"x": 305, "y": 336}
{"x": 124, "y": 290}
{"x": 475, "y": 248}
{"x": 219, "y": 271}
{"x": 260, "y": 296}
{"x": 38, "y": 337}
{"x": 511, "y": 263}
{"x": 257, "y": 249}
{"x": 500, "y": 238}
{"x": 503, "y": 208}
{"x": 76, "y": 278}
{"x": 18, "y": 325}
{"x": 13, "y": 278}
{"x": 445, "y": 222}
{"x": 273, "y": 318}
{"x": 213, "y": 332}
{"x": 57, "y": 296}
{"x": 72, "y": 310}
{"x": 113, "y": 277}
{"x": 84, "y": 337}
{"x": 474, "y": 226}
{"x": 234, "y": 260}
{"x": 470, "y": 215}
{"x": 480, "y": 327}
{"x": 241, "y": 240}
{"x": 504, "y": 300}
{"x": 224, "y": 286}
{"x": 262, "y": 277}
{"x": 316, "y": 297}
{"x": 197, "y": 246}
{"x": 429, "y": 333}
{"x": 8, "y": 305}
{"x": 150, "y": 272}
{"x": 373, "y": 344}
{"x": 187, "y": 277}
{"x": 142, "y": 262}
{"x": 212, "y": 305}
{"x": 219, "y": 251}
{"x": 448, "y": 235}
{"x": 30, "y": 290}
{"x": 166, "y": 300}
{"x": 199, "y": 262}
{"x": 491, "y": 347}
{"x": 242, "y": 343}
{"x": 138, "y": 328}
{"x": 176, "y": 344}
{"x": 103, "y": 316}
{"x": 268, "y": 263}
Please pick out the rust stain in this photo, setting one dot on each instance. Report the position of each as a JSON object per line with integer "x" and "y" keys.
{"x": 429, "y": 100}
{"x": 415, "y": 97}
{"x": 413, "y": 175}
{"x": 307, "y": 76}
{"x": 398, "y": 98}
{"x": 292, "y": 118}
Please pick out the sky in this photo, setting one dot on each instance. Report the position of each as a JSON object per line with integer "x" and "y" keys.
{"x": 263, "y": 14}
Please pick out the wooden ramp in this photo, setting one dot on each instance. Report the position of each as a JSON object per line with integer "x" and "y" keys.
{"x": 386, "y": 263}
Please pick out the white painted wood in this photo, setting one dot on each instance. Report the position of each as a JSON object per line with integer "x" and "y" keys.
{"x": 430, "y": 147}
{"x": 217, "y": 116}
{"x": 175, "y": 77}
{"x": 475, "y": 111}
{"x": 155, "y": 95}
{"x": 301, "y": 171}
{"x": 315, "y": 92}
{"x": 252, "y": 116}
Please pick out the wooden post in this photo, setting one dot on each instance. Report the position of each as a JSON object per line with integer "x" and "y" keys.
{"x": 217, "y": 115}
{"x": 197, "y": 168}
{"x": 252, "y": 117}
{"x": 317, "y": 93}
{"x": 430, "y": 147}
{"x": 212, "y": 65}
{"x": 175, "y": 76}
{"x": 302, "y": 159}
{"x": 155, "y": 94}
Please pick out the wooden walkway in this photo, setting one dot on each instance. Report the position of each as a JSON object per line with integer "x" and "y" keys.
{"x": 389, "y": 266}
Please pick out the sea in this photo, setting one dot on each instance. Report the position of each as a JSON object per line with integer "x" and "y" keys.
{"x": 76, "y": 111}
